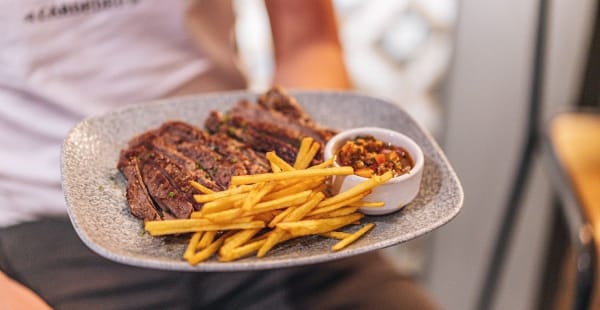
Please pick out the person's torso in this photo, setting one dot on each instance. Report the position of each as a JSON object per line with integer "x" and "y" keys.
{"x": 61, "y": 61}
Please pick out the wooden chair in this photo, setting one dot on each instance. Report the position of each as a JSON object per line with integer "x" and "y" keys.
{"x": 572, "y": 150}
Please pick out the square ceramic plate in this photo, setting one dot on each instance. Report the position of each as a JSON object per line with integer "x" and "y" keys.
{"x": 95, "y": 190}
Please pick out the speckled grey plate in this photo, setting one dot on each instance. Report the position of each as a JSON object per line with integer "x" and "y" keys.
{"x": 95, "y": 190}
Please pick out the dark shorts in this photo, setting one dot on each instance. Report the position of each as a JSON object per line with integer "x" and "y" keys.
{"x": 48, "y": 257}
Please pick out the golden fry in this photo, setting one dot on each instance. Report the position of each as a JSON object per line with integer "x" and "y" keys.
{"x": 368, "y": 204}
{"x": 279, "y": 203}
{"x": 310, "y": 227}
{"x": 222, "y": 194}
{"x": 279, "y": 217}
{"x": 227, "y": 255}
{"x": 191, "y": 248}
{"x": 207, "y": 238}
{"x": 308, "y": 157}
{"x": 361, "y": 187}
{"x": 325, "y": 164}
{"x": 222, "y": 203}
{"x": 348, "y": 240}
{"x": 257, "y": 195}
{"x": 279, "y": 162}
{"x": 303, "y": 150}
{"x": 325, "y": 209}
{"x": 275, "y": 237}
{"x": 203, "y": 189}
{"x": 239, "y": 238}
{"x": 300, "y": 186}
{"x": 305, "y": 209}
{"x": 207, "y": 252}
{"x": 166, "y": 224}
{"x": 342, "y": 211}
{"x": 297, "y": 214}
{"x": 224, "y": 216}
{"x": 284, "y": 175}
{"x": 209, "y": 227}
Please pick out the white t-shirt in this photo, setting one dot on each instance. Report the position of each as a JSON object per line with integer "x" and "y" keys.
{"x": 63, "y": 60}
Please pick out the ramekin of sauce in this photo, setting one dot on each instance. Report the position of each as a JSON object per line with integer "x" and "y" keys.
{"x": 374, "y": 151}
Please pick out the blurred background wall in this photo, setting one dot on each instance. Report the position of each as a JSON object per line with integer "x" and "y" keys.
{"x": 462, "y": 68}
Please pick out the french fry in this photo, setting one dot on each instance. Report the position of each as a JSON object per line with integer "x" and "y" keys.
{"x": 274, "y": 167}
{"x": 284, "y": 175}
{"x": 191, "y": 248}
{"x": 227, "y": 255}
{"x": 271, "y": 241}
{"x": 368, "y": 204}
{"x": 203, "y": 189}
{"x": 279, "y": 217}
{"x": 239, "y": 238}
{"x": 279, "y": 203}
{"x": 295, "y": 188}
{"x": 308, "y": 157}
{"x": 207, "y": 252}
{"x": 224, "y": 216}
{"x": 328, "y": 208}
{"x": 342, "y": 211}
{"x": 278, "y": 161}
{"x": 310, "y": 227}
{"x": 222, "y": 203}
{"x": 209, "y": 227}
{"x": 207, "y": 238}
{"x": 303, "y": 150}
{"x": 222, "y": 194}
{"x": 256, "y": 195}
{"x": 361, "y": 187}
{"x": 300, "y": 212}
{"x": 297, "y": 214}
{"x": 348, "y": 240}
{"x": 326, "y": 164}
{"x": 172, "y": 224}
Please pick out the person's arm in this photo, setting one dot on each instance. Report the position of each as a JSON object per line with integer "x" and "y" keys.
{"x": 306, "y": 44}
{"x": 15, "y": 296}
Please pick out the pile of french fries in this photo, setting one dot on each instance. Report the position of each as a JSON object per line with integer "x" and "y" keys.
{"x": 260, "y": 211}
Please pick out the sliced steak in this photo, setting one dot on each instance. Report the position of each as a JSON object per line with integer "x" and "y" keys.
{"x": 168, "y": 185}
{"x": 159, "y": 164}
{"x": 254, "y": 162}
{"x": 137, "y": 194}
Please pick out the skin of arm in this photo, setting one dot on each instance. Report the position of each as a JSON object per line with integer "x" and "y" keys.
{"x": 306, "y": 45}
{"x": 13, "y": 295}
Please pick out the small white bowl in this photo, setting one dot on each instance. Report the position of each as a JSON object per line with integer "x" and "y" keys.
{"x": 395, "y": 193}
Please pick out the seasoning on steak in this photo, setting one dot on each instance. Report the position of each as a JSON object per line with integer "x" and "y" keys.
{"x": 277, "y": 123}
{"x": 159, "y": 164}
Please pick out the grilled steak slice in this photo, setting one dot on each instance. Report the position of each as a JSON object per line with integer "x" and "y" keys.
{"x": 220, "y": 168}
{"x": 278, "y": 99}
{"x": 187, "y": 165}
{"x": 168, "y": 185}
{"x": 212, "y": 154}
{"x": 253, "y": 161}
{"x": 276, "y": 123}
{"x": 137, "y": 194}
{"x": 160, "y": 163}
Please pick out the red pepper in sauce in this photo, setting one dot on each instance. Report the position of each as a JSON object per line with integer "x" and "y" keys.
{"x": 369, "y": 156}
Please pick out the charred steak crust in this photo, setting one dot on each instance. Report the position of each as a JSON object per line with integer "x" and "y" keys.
{"x": 159, "y": 164}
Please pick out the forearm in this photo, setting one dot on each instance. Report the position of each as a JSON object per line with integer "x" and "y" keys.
{"x": 307, "y": 50}
{"x": 15, "y": 296}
